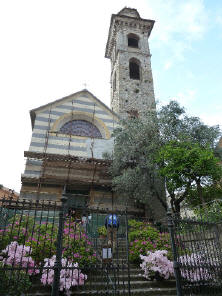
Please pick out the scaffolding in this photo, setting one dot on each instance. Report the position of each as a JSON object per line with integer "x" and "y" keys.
{"x": 67, "y": 170}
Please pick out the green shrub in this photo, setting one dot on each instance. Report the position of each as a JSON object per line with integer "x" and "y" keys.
{"x": 13, "y": 283}
{"x": 136, "y": 225}
{"x": 210, "y": 213}
{"x": 146, "y": 233}
{"x": 102, "y": 230}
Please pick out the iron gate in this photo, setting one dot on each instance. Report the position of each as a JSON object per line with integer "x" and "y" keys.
{"x": 52, "y": 247}
{"x": 197, "y": 253}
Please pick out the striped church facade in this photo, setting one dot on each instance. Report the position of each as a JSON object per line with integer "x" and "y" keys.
{"x": 48, "y": 120}
{"x": 44, "y": 180}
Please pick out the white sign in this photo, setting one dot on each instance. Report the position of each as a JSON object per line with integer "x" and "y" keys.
{"x": 107, "y": 253}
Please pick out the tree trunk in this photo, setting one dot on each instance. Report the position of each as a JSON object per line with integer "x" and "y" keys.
{"x": 200, "y": 191}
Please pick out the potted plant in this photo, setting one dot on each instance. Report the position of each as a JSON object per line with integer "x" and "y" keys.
{"x": 102, "y": 232}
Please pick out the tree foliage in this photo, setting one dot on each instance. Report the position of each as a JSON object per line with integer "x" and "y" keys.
{"x": 175, "y": 124}
{"x": 140, "y": 144}
{"x": 211, "y": 192}
{"x": 133, "y": 168}
{"x": 187, "y": 167}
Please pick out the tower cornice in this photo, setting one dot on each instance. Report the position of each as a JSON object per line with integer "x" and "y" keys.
{"x": 121, "y": 20}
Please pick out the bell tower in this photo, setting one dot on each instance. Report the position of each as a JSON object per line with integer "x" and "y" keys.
{"x": 131, "y": 74}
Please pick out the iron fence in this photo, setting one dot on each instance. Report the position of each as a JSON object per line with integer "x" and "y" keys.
{"x": 48, "y": 246}
{"x": 196, "y": 244}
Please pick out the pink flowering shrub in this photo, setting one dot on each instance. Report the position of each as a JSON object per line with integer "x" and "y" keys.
{"x": 156, "y": 264}
{"x": 42, "y": 240}
{"x": 143, "y": 238}
{"x": 68, "y": 277}
{"x": 17, "y": 230}
{"x": 19, "y": 256}
{"x": 195, "y": 267}
{"x": 76, "y": 245}
{"x": 16, "y": 282}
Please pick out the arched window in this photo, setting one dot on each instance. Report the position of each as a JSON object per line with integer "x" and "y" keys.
{"x": 134, "y": 69}
{"x": 81, "y": 128}
{"x": 133, "y": 40}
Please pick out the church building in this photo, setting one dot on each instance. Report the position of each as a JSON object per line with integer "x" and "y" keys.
{"x": 70, "y": 135}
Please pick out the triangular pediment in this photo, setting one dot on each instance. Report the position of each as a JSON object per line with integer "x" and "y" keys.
{"x": 78, "y": 102}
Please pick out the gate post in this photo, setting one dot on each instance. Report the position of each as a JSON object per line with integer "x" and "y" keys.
{"x": 58, "y": 265}
{"x": 127, "y": 251}
{"x": 176, "y": 265}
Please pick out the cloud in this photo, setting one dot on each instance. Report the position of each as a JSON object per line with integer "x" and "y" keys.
{"x": 185, "y": 98}
{"x": 178, "y": 24}
{"x": 212, "y": 119}
{"x": 219, "y": 20}
{"x": 219, "y": 23}
{"x": 167, "y": 65}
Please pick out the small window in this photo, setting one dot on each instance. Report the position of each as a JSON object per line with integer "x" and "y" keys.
{"x": 133, "y": 113}
{"x": 134, "y": 69}
{"x": 114, "y": 82}
{"x": 133, "y": 41}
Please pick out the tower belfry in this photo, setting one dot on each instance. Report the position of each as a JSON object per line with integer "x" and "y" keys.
{"x": 131, "y": 74}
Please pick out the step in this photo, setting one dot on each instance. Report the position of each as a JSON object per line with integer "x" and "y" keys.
{"x": 118, "y": 269}
{"x": 136, "y": 292}
{"x": 121, "y": 276}
{"x": 100, "y": 288}
{"x": 133, "y": 284}
{"x": 134, "y": 280}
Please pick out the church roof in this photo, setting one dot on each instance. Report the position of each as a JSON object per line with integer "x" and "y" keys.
{"x": 56, "y": 102}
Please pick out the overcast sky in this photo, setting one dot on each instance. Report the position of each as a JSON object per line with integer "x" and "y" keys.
{"x": 50, "y": 49}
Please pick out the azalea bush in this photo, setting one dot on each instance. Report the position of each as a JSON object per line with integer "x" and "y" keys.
{"x": 42, "y": 241}
{"x": 19, "y": 256}
{"x": 27, "y": 244}
{"x": 70, "y": 274}
{"x": 17, "y": 230}
{"x": 200, "y": 267}
{"x": 41, "y": 238}
{"x": 143, "y": 238}
{"x": 16, "y": 282}
{"x": 76, "y": 245}
{"x": 157, "y": 265}
{"x": 16, "y": 255}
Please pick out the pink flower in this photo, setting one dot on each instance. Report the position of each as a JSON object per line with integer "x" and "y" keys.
{"x": 157, "y": 261}
{"x": 68, "y": 277}
{"x": 19, "y": 256}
